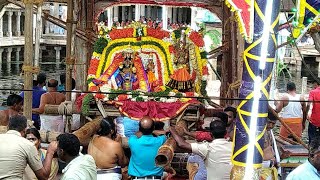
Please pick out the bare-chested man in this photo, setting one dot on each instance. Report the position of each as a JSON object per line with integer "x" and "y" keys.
{"x": 50, "y": 122}
{"x": 14, "y": 103}
{"x": 107, "y": 153}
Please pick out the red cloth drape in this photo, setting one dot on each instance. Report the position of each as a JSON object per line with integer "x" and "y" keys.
{"x": 159, "y": 111}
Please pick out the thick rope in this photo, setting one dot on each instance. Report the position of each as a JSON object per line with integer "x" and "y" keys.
{"x": 31, "y": 69}
{"x": 65, "y": 108}
{"x": 233, "y": 86}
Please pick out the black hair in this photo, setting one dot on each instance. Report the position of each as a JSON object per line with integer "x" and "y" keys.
{"x": 146, "y": 131}
{"x": 314, "y": 145}
{"x": 63, "y": 78}
{"x": 34, "y": 83}
{"x": 158, "y": 125}
{"x": 14, "y": 99}
{"x": 106, "y": 127}
{"x": 218, "y": 129}
{"x": 317, "y": 81}
{"x": 231, "y": 109}
{"x": 53, "y": 83}
{"x": 34, "y": 131}
{"x": 223, "y": 116}
{"x": 69, "y": 143}
{"x": 291, "y": 86}
{"x": 73, "y": 85}
{"x": 18, "y": 123}
{"x": 41, "y": 78}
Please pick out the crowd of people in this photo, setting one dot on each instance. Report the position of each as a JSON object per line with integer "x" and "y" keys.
{"x": 149, "y": 22}
{"x": 116, "y": 155}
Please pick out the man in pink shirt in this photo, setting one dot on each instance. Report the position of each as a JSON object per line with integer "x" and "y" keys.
{"x": 314, "y": 125}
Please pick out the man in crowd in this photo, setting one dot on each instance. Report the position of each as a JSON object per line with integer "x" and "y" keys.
{"x": 36, "y": 96}
{"x": 232, "y": 114}
{"x": 294, "y": 112}
{"x": 142, "y": 165}
{"x": 205, "y": 135}
{"x": 16, "y": 152}
{"x": 107, "y": 153}
{"x": 270, "y": 151}
{"x": 79, "y": 167}
{"x": 314, "y": 124}
{"x": 216, "y": 154}
{"x": 51, "y": 122}
{"x": 311, "y": 168}
{"x": 14, "y": 103}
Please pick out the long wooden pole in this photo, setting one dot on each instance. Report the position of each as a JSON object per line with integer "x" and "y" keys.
{"x": 69, "y": 58}
{"x": 28, "y": 58}
{"x": 287, "y": 127}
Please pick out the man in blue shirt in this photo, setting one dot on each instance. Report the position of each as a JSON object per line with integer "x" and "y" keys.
{"x": 36, "y": 96}
{"x": 143, "y": 152}
{"x": 310, "y": 169}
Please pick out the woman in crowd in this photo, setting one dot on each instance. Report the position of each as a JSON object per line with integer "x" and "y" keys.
{"x": 33, "y": 136}
{"x": 107, "y": 153}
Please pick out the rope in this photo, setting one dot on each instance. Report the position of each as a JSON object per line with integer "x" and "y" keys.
{"x": 70, "y": 61}
{"x": 233, "y": 86}
{"x": 31, "y": 69}
{"x": 65, "y": 108}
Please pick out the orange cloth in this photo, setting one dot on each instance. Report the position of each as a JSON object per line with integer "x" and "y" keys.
{"x": 151, "y": 77}
{"x": 295, "y": 124}
{"x": 181, "y": 75}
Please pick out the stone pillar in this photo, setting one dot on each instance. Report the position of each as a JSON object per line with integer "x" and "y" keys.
{"x": 304, "y": 85}
{"x": 47, "y": 29}
{"x": 123, "y": 13}
{"x": 130, "y": 13}
{"x": 174, "y": 15}
{"x": 143, "y": 10}
{"x": 55, "y": 14}
{"x": 18, "y": 15}
{"x": 137, "y": 12}
{"x": 58, "y": 49}
{"x": 9, "y": 23}
{"x": 1, "y": 26}
{"x": 148, "y": 11}
{"x": 116, "y": 13}
{"x": 318, "y": 60}
{"x": 193, "y": 15}
{"x": 169, "y": 15}
{"x": 18, "y": 49}
{"x": 180, "y": 14}
{"x": 9, "y": 51}
{"x": 38, "y": 35}
{"x": 1, "y": 51}
{"x": 109, "y": 14}
{"x": 40, "y": 52}
{"x": 165, "y": 17}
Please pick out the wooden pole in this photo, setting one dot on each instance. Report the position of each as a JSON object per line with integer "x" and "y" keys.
{"x": 69, "y": 59}
{"x": 287, "y": 127}
{"x": 28, "y": 58}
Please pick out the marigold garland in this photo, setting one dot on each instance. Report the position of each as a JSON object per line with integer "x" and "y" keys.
{"x": 99, "y": 45}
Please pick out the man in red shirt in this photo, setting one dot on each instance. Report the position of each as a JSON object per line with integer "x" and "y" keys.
{"x": 314, "y": 125}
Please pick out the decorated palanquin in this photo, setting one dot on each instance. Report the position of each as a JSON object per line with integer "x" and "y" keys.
{"x": 148, "y": 71}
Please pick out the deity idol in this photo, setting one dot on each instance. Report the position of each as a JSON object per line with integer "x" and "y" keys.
{"x": 181, "y": 78}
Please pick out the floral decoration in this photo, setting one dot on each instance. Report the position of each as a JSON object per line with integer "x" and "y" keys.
{"x": 156, "y": 42}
